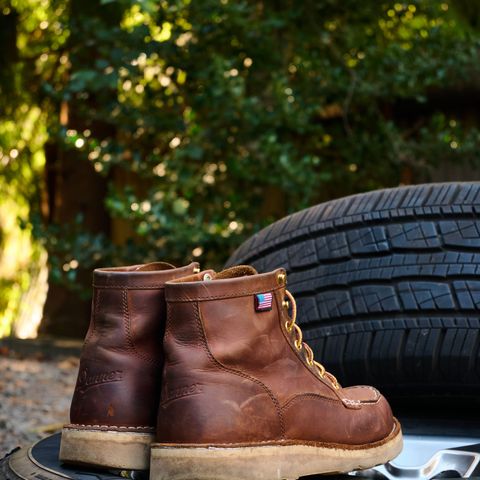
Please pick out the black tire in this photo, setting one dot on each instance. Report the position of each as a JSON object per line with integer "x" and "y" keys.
{"x": 387, "y": 285}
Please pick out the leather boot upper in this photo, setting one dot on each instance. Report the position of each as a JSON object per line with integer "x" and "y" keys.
{"x": 121, "y": 361}
{"x": 236, "y": 372}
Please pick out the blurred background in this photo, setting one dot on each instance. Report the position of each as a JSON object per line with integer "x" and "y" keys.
{"x": 140, "y": 130}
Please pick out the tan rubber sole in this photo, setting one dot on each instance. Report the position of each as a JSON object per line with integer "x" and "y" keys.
{"x": 268, "y": 462}
{"x": 106, "y": 448}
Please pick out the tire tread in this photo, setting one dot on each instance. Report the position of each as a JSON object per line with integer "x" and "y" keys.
{"x": 387, "y": 284}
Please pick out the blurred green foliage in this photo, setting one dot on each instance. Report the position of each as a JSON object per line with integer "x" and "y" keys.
{"x": 210, "y": 119}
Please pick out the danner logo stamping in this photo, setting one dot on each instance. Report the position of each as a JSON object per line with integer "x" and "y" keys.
{"x": 182, "y": 392}
{"x": 87, "y": 379}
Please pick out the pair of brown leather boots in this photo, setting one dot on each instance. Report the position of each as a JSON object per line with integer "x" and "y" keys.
{"x": 204, "y": 375}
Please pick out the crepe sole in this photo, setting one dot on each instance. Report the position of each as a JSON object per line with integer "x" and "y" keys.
{"x": 106, "y": 448}
{"x": 267, "y": 461}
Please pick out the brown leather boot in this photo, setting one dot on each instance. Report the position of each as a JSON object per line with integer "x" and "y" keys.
{"x": 114, "y": 406}
{"x": 242, "y": 396}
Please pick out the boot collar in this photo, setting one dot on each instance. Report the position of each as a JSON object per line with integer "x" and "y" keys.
{"x": 149, "y": 275}
{"x": 212, "y": 285}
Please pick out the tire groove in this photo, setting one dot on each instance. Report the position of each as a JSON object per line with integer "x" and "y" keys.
{"x": 406, "y": 315}
{"x": 272, "y": 247}
{"x": 381, "y": 283}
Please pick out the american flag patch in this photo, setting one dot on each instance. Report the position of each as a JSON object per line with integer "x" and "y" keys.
{"x": 263, "y": 302}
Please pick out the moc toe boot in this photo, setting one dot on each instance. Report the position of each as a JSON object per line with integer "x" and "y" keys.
{"x": 242, "y": 396}
{"x": 114, "y": 406}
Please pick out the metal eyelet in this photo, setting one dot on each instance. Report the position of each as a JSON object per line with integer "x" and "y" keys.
{"x": 288, "y": 326}
{"x": 286, "y": 304}
{"x": 281, "y": 277}
{"x": 196, "y": 269}
{"x": 298, "y": 345}
{"x": 207, "y": 277}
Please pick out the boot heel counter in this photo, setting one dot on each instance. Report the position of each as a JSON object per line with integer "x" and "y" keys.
{"x": 202, "y": 401}
{"x": 97, "y": 384}
{"x": 113, "y": 378}
{"x": 206, "y": 410}
{"x": 116, "y": 395}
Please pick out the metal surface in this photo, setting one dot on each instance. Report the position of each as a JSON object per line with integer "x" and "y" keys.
{"x": 446, "y": 462}
{"x": 431, "y": 457}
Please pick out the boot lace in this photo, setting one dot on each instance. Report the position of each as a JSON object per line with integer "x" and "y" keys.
{"x": 300, "y": 344}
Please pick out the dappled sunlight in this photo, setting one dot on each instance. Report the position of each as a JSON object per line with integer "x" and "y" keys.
{"x": 30, "y": 310}
{"x": 23, "y": 274}
{"x": 23, "y": 261}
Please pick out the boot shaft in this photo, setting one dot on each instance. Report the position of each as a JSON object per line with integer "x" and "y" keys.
{"x": 122, "y": 357}
{"x": 230, "y": 364}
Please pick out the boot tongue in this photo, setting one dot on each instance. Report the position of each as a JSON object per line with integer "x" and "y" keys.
{"x": 150, "y": 267}
{"x": 238, "y": 271}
